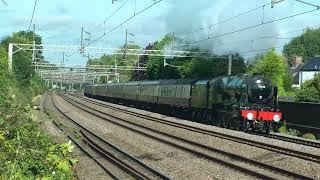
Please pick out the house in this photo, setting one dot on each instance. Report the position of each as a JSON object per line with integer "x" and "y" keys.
{"x": 294, "y": 69}
{"x": 309, "y": 70}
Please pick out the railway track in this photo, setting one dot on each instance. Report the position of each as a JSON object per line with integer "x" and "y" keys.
{"x": 183, "y": 126}
{"x": 270, "y": 147}
{"x": 239, "y": 163}
{"x": 81, "y": 147}
{"x": 131, "y": 166}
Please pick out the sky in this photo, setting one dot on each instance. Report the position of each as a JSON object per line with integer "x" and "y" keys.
{"x": 59, "y": 22}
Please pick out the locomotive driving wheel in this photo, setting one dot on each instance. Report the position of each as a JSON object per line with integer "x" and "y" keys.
{"x": 237, "y": 124}
{"x": 232, "y": 123}
{"x": 218, "y": 119}
{"x": 244, "y": 126}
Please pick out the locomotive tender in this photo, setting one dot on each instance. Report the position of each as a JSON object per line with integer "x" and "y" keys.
{"x": 242, "y": 102}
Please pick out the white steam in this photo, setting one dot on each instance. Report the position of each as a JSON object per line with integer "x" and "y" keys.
{"x": 188, "y": 16}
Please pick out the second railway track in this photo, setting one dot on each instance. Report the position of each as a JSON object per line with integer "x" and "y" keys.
{"x": 245, "y": 165}
{"x": 118, "y": 157}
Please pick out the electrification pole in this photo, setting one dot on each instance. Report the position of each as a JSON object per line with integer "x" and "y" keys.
{"x": 230, "y": 65}
{"x": 34, "y": 46}
{"x": 172, "y": 44}
{"x": 126, "y": 44}
{"x": 81, "y": 41}
{"x": 63, "y": 57}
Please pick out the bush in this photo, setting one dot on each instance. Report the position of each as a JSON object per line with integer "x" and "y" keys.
{"x": 25, "y": 151}
{"x": 285, "y": 130}
{"x": 309, "y": 136}
{"x": 310, "y": 91}
{"x": 271, "y": 66}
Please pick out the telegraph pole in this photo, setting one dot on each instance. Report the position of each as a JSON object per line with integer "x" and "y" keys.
{"x": 172, "y": 45}
{"x": 126, "y": 44}
{"x": 81, "y": 41}
{"x": 230, "y": 65}
{"x": 34, "y": 46}
{"x": 63, "y": 57}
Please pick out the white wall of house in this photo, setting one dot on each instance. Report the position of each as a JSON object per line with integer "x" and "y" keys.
{"x": 306, "y": 75}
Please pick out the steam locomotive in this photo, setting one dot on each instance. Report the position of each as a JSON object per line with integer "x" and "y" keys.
{"x": 243, "y": 102}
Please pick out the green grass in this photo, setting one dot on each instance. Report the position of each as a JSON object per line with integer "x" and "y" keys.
{"x": 293, "y": 132}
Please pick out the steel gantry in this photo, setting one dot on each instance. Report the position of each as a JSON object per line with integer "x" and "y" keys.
{"x": 78, "y": 77}
{"x": 13, "y": 48}
{"x": 70, "y": 74}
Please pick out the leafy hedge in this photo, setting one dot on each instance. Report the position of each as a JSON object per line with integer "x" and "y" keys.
{"x": 25, "y": 151}
{"x": 310, "y": 91}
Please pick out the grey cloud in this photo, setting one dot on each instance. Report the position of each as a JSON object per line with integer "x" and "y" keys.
{"x": 61, "y": 9}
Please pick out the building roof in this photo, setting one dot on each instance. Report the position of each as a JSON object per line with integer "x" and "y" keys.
{"x": 312, "y": 65}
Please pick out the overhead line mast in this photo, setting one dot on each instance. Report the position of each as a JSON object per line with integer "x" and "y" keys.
{"x": 34, "y": 9}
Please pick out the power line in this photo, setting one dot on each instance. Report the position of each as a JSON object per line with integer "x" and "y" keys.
{"x": 307, "y": 3}
{"x": 52, "y": 36}
{"x": 94, "y": 28}
{"x": 226, "y": 20}
{"x": 156, "y": 2}
{"x": 4, "y": 3}
{"x": 257, "y": 50}
{"x": 34, "y": 8}
{"x": 274, "y": 36}
{"x": 254, "y": 26}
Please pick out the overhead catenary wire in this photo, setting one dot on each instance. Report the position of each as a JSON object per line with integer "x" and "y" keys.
{"x": 224, "y": 21}
{"x": 4, "y": 3}
{"x": 113, "y": 29}
{"x": 307, "y": 3}
{"x": 274, "y": 36}
{"x": 52, "y": 36}
{"x": 265, "y": 49}
{"x": 251, "y": 27}
{"x": 34, "y": 8}
{"x": 112, "y": 14}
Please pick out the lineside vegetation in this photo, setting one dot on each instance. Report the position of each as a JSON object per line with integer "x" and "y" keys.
{"x": 26, "y": 152}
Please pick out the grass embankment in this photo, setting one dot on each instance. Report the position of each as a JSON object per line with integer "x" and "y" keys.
{"x": 26, "y": 152}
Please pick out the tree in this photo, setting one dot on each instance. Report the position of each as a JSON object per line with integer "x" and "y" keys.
{"x": 120, "y": 59}
{"x": 212, "y": 66}
{"x": 22, "y": 60}
{"x": 155, "y": 66}
{"x": 306, "y": 45}
{"x": 4, "y": 75}
{"x": 205, "y": 65}
{"x": 310, "y": 91}
{"x": 272, "y": 67}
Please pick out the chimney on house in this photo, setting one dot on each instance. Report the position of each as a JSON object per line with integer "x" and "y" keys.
{"x": 285, "y": 60}
{"x": 297, "y": 60}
